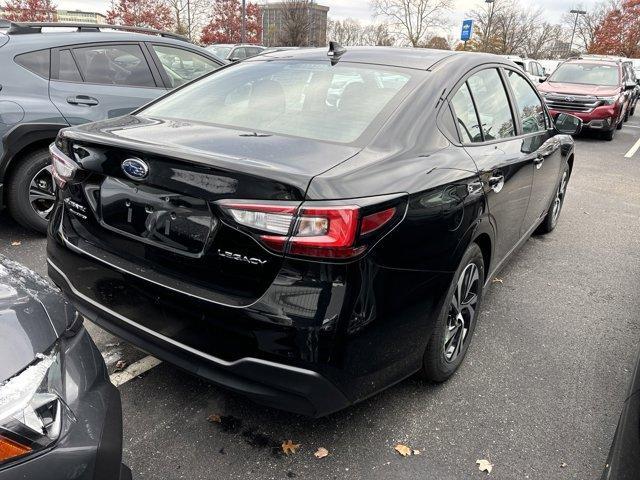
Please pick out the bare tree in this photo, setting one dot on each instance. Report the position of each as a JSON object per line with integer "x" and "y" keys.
{"x": 346, "y": 32}
{"x": 507, "y": 28}
{"x": 378, "y": 34}
{"x": 296, "y": 23}
{"x": 352, "y": 32}
{"x": 413, "y": 20}
{"x": 587, "y": 23}
{"x": 189, "y": 16}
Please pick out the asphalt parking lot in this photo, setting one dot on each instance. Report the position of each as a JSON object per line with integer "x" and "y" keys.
{"x": 539, "y": 394}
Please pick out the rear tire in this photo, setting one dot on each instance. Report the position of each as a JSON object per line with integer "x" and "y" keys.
{"x": 619, "y": 125}
{"x": 31, "y": 191}
{"x": 553, "y": 213}
{"x": 457, "y": 321}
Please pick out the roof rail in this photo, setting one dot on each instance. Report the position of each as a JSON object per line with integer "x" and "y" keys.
{"x": 20, "y": 28}
{"x": 610, "y": 58}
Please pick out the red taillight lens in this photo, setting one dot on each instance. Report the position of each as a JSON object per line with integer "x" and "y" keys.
{"x": 323, "y": 231}
{"x": 377, "y": 220}
{"x": 326, "y": 232}
{"x": 63, "y": 167}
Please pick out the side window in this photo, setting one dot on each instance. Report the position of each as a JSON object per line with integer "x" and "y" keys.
{"x": 114, "y": 65}
{"x": 466, "y": 116}
{"x": 68, "y": 69}
{"x": 239, "y": 53}
{"x": 35, "y": 62}
{"x": 529, "y": 106}
{"x": 492, "y": 104}
{"x": 182, "y": 65}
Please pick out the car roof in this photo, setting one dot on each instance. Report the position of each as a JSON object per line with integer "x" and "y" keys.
{"x": 417, "y": 58}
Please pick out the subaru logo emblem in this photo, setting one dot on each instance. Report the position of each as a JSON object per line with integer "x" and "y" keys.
{"x": 135, "y": 169}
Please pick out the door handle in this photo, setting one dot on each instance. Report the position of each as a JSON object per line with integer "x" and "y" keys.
{"x": 83, "y": 100}
{"x": 538, "y": 161}
{"x": 496, "y": 183}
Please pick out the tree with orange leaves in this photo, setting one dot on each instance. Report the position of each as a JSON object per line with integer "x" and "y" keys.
{"x": 619, "y": 32}
{"x": 141, "y": 13}
{"x": 225, "y": 23}
{"x": 29, "y": 11}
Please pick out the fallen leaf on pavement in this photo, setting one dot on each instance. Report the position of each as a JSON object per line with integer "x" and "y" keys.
{"x": 321, "y": 452}
{"x": 290, "y": 447}
{"x": 214, "y": 418}
{"x": 402, "y": 450}
{"x": 16, "y": 244}
{"x": 563, "y": 465}
{"x": 120, "y": 365}
{"x": 416, "y": 452}
{"x": 497, "y": 280}
{"x": 484, "y": 465}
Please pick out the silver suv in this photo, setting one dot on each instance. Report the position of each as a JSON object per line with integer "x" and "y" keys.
{"x": 53, "y": 79}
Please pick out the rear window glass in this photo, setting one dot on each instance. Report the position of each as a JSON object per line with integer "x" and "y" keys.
{"x": 36, "y": 62}
{"x": 587, "y": 74}
{"x": 114, "y": 65}
{"x": 68, "y": 68}
{"x": 304, "y": 99}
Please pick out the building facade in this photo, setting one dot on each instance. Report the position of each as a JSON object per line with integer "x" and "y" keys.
{"x": 296, "y": 24}
{"x": 78, "y": 16}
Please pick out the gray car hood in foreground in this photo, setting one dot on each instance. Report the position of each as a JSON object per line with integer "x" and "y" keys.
{"x": 33, "y": 314}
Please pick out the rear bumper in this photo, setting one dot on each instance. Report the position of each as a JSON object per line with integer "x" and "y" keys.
{"x": 322, "y": 337}
{"x": 269, "y": 383}
{"x": 92, "y": 447}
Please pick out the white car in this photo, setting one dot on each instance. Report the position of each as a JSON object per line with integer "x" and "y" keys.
{"x": 532, "y": 68}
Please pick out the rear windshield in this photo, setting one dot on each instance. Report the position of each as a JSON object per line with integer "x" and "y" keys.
{"x": 586, "y": 73}
{"x": 305, "y": 99}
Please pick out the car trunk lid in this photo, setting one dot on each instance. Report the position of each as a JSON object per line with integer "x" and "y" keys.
{"x": 167, "y": 226}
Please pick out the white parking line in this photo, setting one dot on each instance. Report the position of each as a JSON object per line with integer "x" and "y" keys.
{"x": 137, "y": 368}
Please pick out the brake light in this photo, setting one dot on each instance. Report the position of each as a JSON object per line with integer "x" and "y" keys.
{"x": 63, "y": 167}
{"x": 311, "y": 231}
{"x": 326, "y": 232}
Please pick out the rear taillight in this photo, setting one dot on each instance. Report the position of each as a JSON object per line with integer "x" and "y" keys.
{"x": 316, "y": 230}
{"x": 64, "y": 168}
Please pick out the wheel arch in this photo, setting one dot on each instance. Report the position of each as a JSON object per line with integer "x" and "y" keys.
{"x": 483, "y": 240}
{"x": 22, "y": 140}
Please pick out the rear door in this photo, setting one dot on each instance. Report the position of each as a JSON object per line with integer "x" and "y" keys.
{"x": 539, "y": 142}
{"x": 488, "y": 131}
{"x": 102, "y": 80}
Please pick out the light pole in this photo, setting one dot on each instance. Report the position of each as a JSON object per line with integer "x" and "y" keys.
{"x": 575, "y": 24}
{"x": 244, "y": 22}
{"x": 487, "y": 35}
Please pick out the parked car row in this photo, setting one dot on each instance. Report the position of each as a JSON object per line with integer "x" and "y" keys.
{"x": 601, "y": 90}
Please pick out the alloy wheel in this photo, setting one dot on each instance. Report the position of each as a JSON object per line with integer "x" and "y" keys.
{"x": 42, "y": 192}
{"x": 559, "y": 199}
{"x": 462, "y": 312}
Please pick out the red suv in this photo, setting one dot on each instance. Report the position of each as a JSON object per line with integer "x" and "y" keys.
{"x": 596, "y": 90}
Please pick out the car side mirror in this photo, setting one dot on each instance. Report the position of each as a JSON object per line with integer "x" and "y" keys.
{"x": 543, "y": 79}
{"x": 568, "y": 124}
{"x": 234, "y": 59}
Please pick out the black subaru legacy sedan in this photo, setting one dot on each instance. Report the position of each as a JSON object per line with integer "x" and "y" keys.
{"x": 309, "y": 227}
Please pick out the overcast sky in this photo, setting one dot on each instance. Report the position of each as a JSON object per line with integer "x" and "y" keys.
{"x": 359, "y": 9}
